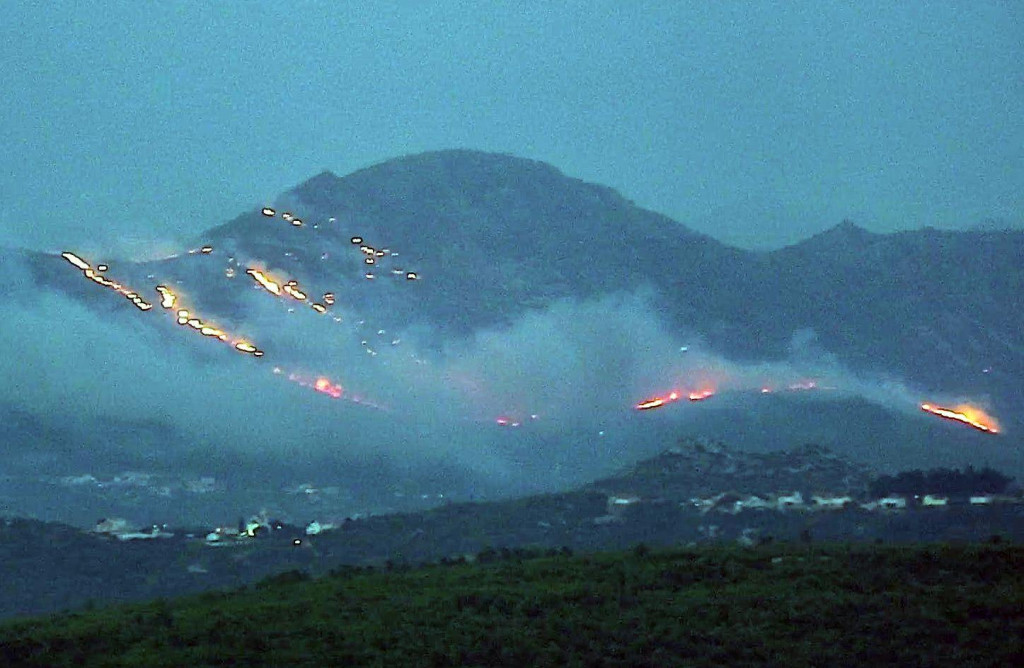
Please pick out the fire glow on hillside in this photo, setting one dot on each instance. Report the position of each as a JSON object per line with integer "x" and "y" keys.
{"x": 659, "y": 401}
{"x": 966, "y": 414}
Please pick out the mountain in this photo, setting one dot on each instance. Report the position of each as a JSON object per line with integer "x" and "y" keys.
{"x": 494, "y": 236}
{"x": 497, "y": 235}
{"x": 470, "y": 253}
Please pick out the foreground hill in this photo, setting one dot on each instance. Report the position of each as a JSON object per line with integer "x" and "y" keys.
{"x": 921, "y": 605}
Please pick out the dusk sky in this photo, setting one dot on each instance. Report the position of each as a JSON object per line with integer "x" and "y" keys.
{"x": 129, "y": 127}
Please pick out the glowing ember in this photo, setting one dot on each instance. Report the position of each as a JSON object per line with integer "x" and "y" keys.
{"x": 97, "y": 278}
{"x": 293, "y": 291}
{"x": 245, "y": 347}
{"x": 167, "y": 298}
{"x": 324, "y": 386}
{"x": 270, "y": 285}
{"x": 656, "y": 402}
{"x": 967, "y": 414}
{"x": 659, "y": 401}
{"x": 75, "y": 260}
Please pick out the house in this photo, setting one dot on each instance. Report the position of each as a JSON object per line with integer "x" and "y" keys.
{"x": 154, "y": 532}
{"x": 794, "y": 500}
{"x": 618, "y": 504}
{"x": 314, "y": 527}
{"x": 930, "y": 501}
{"x": 202, "y": 485}
{"x": 86, "y": 479}
{"x": 755, "y": 502}
{"x": 831, "y": 502}
{"x": 729, "y": 502}
{"x": 892, "y": 503}
{"x": 704, "y": 505}
{"x": 111, "y": 526}
{"x": 222, "y": 533}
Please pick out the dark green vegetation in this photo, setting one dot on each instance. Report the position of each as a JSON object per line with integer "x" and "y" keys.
{"x": 777, "y": 605}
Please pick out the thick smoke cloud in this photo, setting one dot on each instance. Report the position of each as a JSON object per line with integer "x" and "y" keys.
{"x": 567, "y": 375}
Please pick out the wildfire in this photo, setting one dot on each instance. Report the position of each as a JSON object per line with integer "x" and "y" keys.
{"x": 673, "y": 396}
{"x": 167, "y": 297}
{"x": 967, "y": 414}
{"x": 325, "y": 386}
{"x": 294, "y": 291}
{"x": 97, "y": 277}
{"x": 268, "y": 284}
{"x": 248, "y": 348}
{"x": 657, "y": 402}
{"x": 700, "y": 396}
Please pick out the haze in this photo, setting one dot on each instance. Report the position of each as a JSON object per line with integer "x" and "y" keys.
{"x": 132, "y": 126}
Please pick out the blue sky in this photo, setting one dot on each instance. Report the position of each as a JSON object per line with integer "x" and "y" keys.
{"x": 131, "y": 126}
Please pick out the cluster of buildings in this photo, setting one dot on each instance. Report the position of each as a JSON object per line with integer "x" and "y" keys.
{"x": 118, "y": 528}
{"x": 735, "y": 503}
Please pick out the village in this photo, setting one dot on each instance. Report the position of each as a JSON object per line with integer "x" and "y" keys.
{"x": 618, "y": 510}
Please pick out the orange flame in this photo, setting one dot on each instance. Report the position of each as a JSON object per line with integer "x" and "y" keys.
{"x": 700, "y": 396}
{"x": 325, "y": 386}
{"x": 99, "y": 279}
{"x": 659, "y": 401}
{"x": 268, "y": 284}
{"x": 967, "y": 414}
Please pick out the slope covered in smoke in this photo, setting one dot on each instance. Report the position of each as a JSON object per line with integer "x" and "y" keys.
{"x": 498, "y": 234}
{"x": 489, "y": 317}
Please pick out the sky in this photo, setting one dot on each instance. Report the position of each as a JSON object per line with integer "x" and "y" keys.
{"x": 129, "y": 127}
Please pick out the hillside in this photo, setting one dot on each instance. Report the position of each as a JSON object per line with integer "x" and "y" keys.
{"x": 507, "y": 287}
{"x": 705, "y": 469}
{"x": 697, "y": 494}
{"x": 922, "y": 605}
{"x": 495, "y": 236}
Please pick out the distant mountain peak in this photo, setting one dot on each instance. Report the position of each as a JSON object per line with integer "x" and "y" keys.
{"x": 845, "y": 230}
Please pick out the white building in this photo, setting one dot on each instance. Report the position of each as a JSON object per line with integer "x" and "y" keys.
{"x": 831, "y": 502}
{"x": 112, "y": 525}
{"x": 755, "y": 502}
{"x": 314, "y": 527}
{"x": 154, "y": 532}
{"x": 893, "y": 503}
{"x": 795, "y": 500}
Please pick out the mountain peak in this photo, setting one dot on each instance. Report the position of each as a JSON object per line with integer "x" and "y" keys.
{"x": 845, "y": 230}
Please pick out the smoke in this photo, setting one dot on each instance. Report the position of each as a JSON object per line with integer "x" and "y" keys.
{"x": 545, "y": 401}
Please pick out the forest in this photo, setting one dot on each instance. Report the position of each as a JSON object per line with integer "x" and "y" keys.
{"x": 777, "y": 604}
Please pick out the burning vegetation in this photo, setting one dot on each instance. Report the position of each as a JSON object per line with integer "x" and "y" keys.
{"x": 971, "y": 416}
